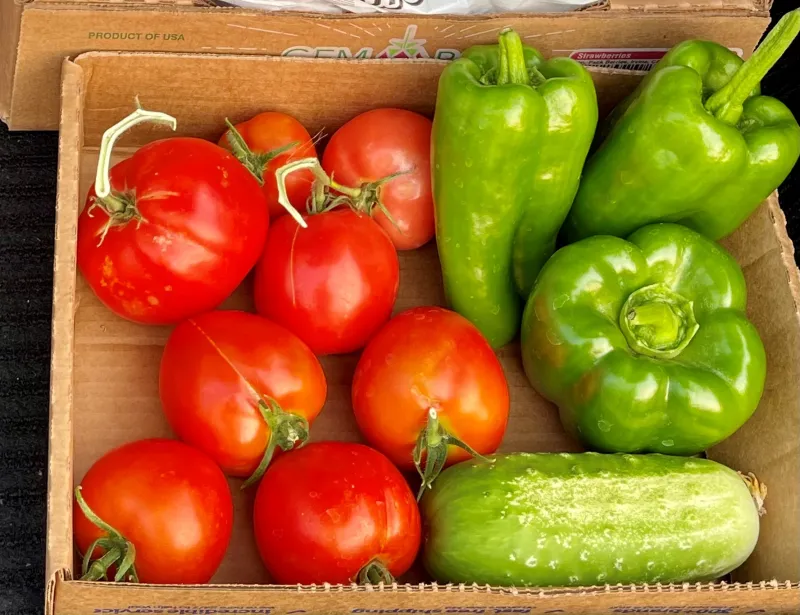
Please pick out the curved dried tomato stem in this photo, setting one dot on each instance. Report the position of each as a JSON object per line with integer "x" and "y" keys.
{"x": 433, "y": 441}
{"x": 286, "y": 429}
{"x": 120, "y": 208}
{"x": 365, "y": 198}
{"x": 102, "y": 181}
{"x": 117, "y": 550}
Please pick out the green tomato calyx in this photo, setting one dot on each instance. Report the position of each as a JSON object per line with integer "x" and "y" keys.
{"x": 434, "y": 441}
{"x": 286, "y": 431}
{"x": 374, "y": 572}
{"x": 117, "y": 550}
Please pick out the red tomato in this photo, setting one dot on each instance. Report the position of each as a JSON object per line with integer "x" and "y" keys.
{"x": 202, "y": 227}
{"x": 169, "y": 500}
{"x": 265, "y": 133}
{"x": 335, "y": 512}
{"x": 219, "y": 367}
{"x": 377, "y": 144}
{"x": 332, "y": 284}
{"x": 424, "y": 359}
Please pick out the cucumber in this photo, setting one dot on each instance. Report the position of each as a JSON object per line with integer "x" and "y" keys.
{"x": 588, "y": 519}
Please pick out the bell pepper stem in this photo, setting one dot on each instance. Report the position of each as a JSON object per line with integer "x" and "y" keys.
{"x": 286, "y": 431}
{"x": 726, "y": 103}
{"x": 657, "y": 322}
{"x": 512, "y": 60}
{"x": 666, "y": 324}
{"x": 434, "y": 441}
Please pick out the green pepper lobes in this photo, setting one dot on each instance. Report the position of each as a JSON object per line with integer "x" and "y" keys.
{"x": 694, "y": 144}
{"x": 510, "y": 135}
{"x": 643, "y": 344}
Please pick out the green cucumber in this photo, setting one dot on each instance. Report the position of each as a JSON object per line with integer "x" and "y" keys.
{"x": 588, "y": 519}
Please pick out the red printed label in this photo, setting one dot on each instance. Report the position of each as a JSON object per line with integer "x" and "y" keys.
{"x": 620, "y": 59}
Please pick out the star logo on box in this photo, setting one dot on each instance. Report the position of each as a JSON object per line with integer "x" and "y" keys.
{"x": 405, "y": 48}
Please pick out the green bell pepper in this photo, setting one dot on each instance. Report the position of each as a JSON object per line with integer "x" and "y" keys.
{"x": 643, "y": 344}
{"x": 694, "y": 144}
{"x": 510, "y": 135}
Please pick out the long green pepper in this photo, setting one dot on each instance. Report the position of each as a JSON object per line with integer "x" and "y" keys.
{"x": 510, "y": 136}
{"x": 694, "y": 144}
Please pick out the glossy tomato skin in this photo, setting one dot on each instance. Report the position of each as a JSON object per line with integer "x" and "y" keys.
{"x": 214, "y": 370}
{"x": 430, "y": 357}
{"x": 324, "y": 511}
{"x": 332, "y": 284}
{"x": 204, "y": 226}
{"x": 377, "y": 144}
{"x": 170, "y": 500}
{"x": 269, "y": 131}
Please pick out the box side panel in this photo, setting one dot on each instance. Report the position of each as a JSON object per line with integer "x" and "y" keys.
{"x": 74, "y": 598}
{"x": 203, "y": 101}
{"x": 10, "y": 20}
{"x": 59, "y": 485}
{"x": 769, "y": 443}
{"x": 632, "y": 39}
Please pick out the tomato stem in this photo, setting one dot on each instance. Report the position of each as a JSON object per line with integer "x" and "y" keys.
{"x": 364, "y": 198}
{"x": 254, "y": 162}
{"x": 286, "y": 429}
{"x": 102, "y": 181}
{"x": 374, "y": 572}
{"x": 117, "y": 550}
{"x": 433, "y": 441}
{"x": 120, "y": 207}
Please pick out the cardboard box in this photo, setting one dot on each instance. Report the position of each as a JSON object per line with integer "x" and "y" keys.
{"x": 104, "y": 388}
{"x": 35, "y": 36}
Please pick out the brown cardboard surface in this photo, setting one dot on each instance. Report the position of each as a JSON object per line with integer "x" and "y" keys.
{"x": 630, "y": 36}
{"x": 106, "y": 367}
{"x": 762, "y": 447}
{"x": 10, "y": 20}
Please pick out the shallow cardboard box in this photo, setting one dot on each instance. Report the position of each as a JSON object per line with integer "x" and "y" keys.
{"x": 35, "y": 35}
{"x": 104, "y": 370}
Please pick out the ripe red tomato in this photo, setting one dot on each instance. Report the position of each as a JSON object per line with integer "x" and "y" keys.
{"x": 265, "y": 133}
{"x": 424, "y": 359}
{"x": 220, "y": 373}
{"x": 377, "y": 144}
{"x": 200, "y": 227}
{"x": 332, "y": 284}
{"x": 335, "y": 512}
{"x": 167, "y": 499}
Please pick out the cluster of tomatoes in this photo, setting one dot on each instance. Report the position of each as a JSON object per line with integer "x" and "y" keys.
{"x": 165, "y": 238}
